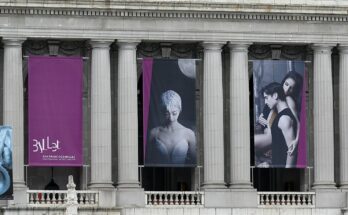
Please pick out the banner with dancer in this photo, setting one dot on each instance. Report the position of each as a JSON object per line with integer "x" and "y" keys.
{"x": 55, "y": 111}
{"x": 6, "y": 182}
{"x": 280, "y": 114}
{"x": 169, "y": 112}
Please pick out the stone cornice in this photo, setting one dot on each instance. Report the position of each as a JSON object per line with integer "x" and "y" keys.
{"x": 178, "y": 10}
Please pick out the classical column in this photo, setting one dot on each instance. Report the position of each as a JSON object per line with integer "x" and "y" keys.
{"x": 14, "y": 106}
{"x": 239, "y": 117}
{"x": 343, "y": 115}
{"x": 213, "y": 117}
{"x": 323, "y": 118}
{"x": 101, "y": 176}
{"x": 127, "y": 113}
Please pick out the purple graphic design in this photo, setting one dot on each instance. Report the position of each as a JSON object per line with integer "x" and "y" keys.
{"x": 55, "y": 111}
{"x": 147, "y": 76}
{"x": 302, "y": 147}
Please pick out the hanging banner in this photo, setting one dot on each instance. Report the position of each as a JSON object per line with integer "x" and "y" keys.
{"x": 169, "y": 112}
{"x": 55, "y": 111}
{"x": 6, "y": 182}
{"x": 280, "y": 114}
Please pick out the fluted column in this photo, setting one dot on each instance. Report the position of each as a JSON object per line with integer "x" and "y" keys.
{"x": 323, "y": 118}
{"x": 101, "y": 176}
{"x": 213, "y": 117}
{"x": 239, "y": 117}
{"x": 343, "y": 115}
{"x": 14, "y": 106}
{"x": 127, "y": 113}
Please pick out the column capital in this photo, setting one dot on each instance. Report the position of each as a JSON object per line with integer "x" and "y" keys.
{"x": 213, "y": 45}
{"x": 323, "y": 48}
{"x": 343, "y": 48}
{"x": 127, "y": 44}
{"x": 100, "y": 43}
{"x": 13, "y": 41}
{"x": 238, "y": 47}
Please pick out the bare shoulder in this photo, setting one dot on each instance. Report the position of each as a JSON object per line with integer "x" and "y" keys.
{"x": 190, "y": 134}
{"x": 285, "y": 122}
{"x": 291, "y": 102}
{"x": 154, "y": 132}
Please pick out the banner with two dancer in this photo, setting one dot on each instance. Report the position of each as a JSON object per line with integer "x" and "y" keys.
{"x": 280, "y": 114}
{"x": 169, "y": 112}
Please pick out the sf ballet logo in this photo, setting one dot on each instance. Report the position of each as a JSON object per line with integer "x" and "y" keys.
{"x": 45, "y": 144}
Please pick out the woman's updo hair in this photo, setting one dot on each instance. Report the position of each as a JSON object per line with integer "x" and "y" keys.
{"x": 170, "y": 99}
{"x": 298, "y": 83}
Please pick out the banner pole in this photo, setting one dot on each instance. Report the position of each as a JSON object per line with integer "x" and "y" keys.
{"x": 141, "y": 175}
{"x": 252, "y": 174}
{"x": 85, "y": 167}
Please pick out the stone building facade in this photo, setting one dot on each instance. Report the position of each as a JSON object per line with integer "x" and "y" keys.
{"x": 112, "y": 35}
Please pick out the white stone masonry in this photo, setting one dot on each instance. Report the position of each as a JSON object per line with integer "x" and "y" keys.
{"x": 13, "y": 104}
{"x": 239, "y": 117}
{"x": 343, "y": 115}
{"x": 213, "y": 117}
{"x": 323, "y": 118}
{"x": 127, "y": 113}
{"x": 101, "y": 176}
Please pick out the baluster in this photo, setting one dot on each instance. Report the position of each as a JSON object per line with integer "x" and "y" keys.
{"x": 292, "y": 199}
{"x": 287, "y": 199}
{"x": 277, "y": 201}
{"x": 53, "y": 198}
{"x": 31, "y": 198}
{"x": 302, "y": 199}
{"x": 170, "y": 199}
{"x": 152, "y": 199}
{"x": 87, "y": 198}
{"x": 45, "y": 198}
{"x": 93, "y": 198}
{"x": 165, "y": 199}
{"x": 189, "y": 198}
{"x": 157, "y": 197}
{"x": 182, "y": 202}
{"x": 175, "y": 200}
{"x": 283, "y": 199}
{"x": 37, "y": 198}
{"x": 79, "y": 198}
{"x": 149, "y": 198}
{"x": 272, "y": 199}
{"x": 298, "y": 200}
{"x": 59, "y": 195}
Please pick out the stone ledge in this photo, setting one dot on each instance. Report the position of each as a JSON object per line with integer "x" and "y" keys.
{"x": 231, "y": 14}
{"x": 220, "y": 9}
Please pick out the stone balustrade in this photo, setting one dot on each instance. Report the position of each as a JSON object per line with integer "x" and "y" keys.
{"x": 45, "y": 198}
{"x": 174, "y": 198}
{"x": 286, "y": 199}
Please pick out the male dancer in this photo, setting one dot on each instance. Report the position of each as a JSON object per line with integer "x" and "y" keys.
{"x": 284, "y": 126}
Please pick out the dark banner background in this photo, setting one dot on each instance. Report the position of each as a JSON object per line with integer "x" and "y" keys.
{"x": 166, "y": 75}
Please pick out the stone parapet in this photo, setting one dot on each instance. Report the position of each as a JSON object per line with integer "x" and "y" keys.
{"x": 253, "y": 6}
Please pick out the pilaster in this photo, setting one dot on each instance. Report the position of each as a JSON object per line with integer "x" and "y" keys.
{"x": 343, "y": 115}
{"x": 14, "y": 111}
{"x": 239, "y": 117}
{"x": 323, "y": 118}
{"x": 101, "y": 177}
{"x": 213, "y": 116}
{"x": 129, "y": 193}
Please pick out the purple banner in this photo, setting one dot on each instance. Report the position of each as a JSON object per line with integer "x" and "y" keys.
{"x": 280, "y": 114}
{"x": 55, "y": 111}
